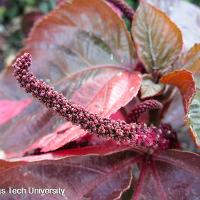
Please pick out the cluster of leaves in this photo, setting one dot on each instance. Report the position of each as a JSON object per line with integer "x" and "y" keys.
{"x": 85, "y": 51}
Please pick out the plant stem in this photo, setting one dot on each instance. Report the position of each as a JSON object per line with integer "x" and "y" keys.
{"x": 123, "y": 7}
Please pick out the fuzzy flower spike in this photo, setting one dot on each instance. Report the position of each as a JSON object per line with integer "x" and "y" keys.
{"x": 135, "y": 135}
{"x": 142, "y": 107}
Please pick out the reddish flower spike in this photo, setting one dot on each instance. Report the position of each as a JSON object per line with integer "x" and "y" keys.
{"x": 142, "y": 107}
{"x": 135, "y": 135}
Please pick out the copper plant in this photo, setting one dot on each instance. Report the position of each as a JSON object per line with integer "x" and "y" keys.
{"x": 108, "y": 110}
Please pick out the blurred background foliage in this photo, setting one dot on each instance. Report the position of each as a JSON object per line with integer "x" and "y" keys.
{"x": 18, "y": 16}
{"x": 197, "y": 2}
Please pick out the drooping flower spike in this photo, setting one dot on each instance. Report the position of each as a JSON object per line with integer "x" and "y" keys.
{"x": 135, "y": 135}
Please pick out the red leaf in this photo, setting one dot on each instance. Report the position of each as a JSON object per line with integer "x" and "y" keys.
{"x": 167, "y": 175}
{"x": 171, "y": 175}
{"x": 117, "y": 93}
{"x": 10, "y": 109}
{"x": 79, "y": 176}
{"x": 105, "y": 148}
{"x": 64, "y": 42}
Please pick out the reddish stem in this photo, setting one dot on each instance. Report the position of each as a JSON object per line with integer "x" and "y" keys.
{"x": 159, "y": 185}
{"x": 139, "y": 186}
{"x": 123, "y": 7}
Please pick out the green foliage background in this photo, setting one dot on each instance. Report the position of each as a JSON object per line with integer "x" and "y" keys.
{"x": 197, "y": 2}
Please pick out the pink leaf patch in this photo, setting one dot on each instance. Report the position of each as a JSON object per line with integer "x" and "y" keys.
{"x": 10, "y": 109}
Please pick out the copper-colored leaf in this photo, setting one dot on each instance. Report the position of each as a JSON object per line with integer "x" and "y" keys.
{"x": 158, "y": 40}
{"x": 72, "y": 37}
{"x": 182, "y": 79}
{"x": 191, "y": 60}
{"x": 185, "y": 15}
